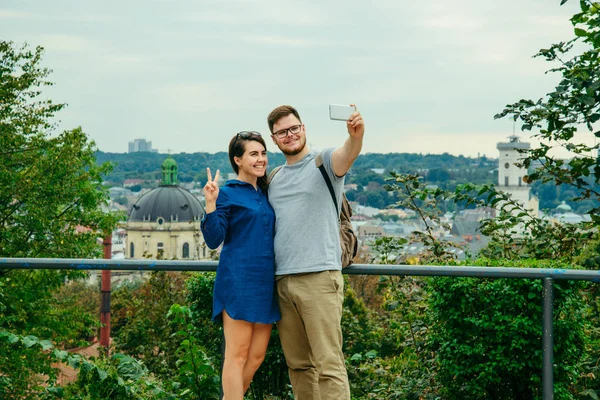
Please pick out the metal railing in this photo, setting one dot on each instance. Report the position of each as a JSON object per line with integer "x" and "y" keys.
{"x": 548, "y": 276}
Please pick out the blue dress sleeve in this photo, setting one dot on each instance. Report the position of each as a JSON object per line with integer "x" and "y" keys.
{"x": 214, "y": 225}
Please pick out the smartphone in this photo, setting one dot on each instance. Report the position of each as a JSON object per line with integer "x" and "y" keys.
{"x": 341, "y": 112}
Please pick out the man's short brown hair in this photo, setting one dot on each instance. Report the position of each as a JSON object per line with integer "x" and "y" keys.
{"x": 280, "y": 112}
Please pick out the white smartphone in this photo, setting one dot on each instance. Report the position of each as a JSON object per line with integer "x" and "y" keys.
{"x": 341, "y": 112}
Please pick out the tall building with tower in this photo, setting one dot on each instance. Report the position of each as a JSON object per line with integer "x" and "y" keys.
{"x": 140, "y": 145}
{"x": 510, "y": 176}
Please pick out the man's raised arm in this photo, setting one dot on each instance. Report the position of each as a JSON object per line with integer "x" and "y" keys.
{"x": 343, "y": 157}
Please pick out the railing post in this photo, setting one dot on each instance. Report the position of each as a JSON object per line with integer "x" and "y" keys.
{"x": 105, "y": 297}
{"x": 547, "y": 340}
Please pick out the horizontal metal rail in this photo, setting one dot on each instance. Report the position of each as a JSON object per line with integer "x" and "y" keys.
{"x": 548, "y": 275}
{"x": 354, "y": 269}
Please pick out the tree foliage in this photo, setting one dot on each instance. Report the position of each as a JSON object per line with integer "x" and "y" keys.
{"x": 487, "y": 338}
{"x": 51, "y": 200}
{"x": 50, "y": 186}
{"x": 139, "y": 320}
{"x": 574, "y": 104}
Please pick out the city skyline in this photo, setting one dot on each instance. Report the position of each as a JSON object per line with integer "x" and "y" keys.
{"x": 186, "y": 75}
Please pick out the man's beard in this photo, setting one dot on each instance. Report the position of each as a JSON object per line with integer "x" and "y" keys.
{"x": 294, "y": 152}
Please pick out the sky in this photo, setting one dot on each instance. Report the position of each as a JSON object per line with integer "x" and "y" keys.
{"x": 427, "y": 76}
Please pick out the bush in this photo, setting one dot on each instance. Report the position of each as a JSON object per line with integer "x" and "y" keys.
{"x": 386, "y": 351}
{"x": 488, "y": 335}
{"x": 139, "y": 324}
{"x": 115, "y": 377}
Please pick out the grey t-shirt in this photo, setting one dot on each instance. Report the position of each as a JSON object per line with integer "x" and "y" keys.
{"x": 307, "y": 227}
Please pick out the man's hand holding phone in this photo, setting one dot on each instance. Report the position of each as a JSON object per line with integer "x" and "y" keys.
{"x": 348, "y": 113}
{"x": 341, "y": 112}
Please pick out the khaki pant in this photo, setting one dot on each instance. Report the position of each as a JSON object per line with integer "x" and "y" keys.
{"x": 311, "y": 334}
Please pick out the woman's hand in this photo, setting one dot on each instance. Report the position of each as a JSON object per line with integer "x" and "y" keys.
{"x": 211, "y": 191}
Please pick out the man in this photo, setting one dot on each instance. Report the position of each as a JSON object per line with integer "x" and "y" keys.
{"x": 308, "y": 256}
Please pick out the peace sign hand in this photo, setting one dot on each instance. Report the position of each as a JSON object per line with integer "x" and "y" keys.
{"x": 211, "y": 191}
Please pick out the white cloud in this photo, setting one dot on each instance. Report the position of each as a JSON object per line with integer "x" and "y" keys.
{"x": 250, "y": 13}
{"x": 88, "y": 18}
{"x": 470, "y": 144}
{"x": 18, "y": 15}
{"x": 212, "y": 16}
{"x": 66, "y": 43}
{"x": 428, "y": 75}
{"x": 453, "y": 22}
{"x": 211, "y": 95}
{"x": 282, "y": 41}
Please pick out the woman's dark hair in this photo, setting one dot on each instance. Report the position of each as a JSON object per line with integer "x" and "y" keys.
{"x": 237, "y": 147}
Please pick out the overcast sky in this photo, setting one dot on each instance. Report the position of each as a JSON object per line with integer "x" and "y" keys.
{"x": 428, "y": 76}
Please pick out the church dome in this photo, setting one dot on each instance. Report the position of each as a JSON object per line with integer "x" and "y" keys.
{"x": 171, "y": 203}
{"x": 168, "y": 202}
{"x": 563, "y": 207}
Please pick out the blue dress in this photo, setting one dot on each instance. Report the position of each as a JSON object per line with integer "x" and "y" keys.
{"x": 244, "y": 222}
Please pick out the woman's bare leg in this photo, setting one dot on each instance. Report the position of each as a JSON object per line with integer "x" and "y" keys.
{"x": 238, "y": 336}
{"x": 258, "y": 347}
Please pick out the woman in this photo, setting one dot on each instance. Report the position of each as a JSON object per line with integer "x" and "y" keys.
{"x": 240, "y": 216}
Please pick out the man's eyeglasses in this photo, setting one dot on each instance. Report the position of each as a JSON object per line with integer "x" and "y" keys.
{"x": 284, "y": 132}
{"x": 248, "y": 134}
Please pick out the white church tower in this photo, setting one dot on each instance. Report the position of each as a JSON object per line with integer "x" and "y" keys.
{"x": 510, "y": 177}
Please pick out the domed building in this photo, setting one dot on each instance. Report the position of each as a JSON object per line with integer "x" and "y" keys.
{"x": 563, "y": 208}
{"x": 165, "y": 222}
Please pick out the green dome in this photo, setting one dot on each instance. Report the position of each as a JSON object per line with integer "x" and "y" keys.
{"x": 169, "y": 172}
{"x": 169, "y": 161}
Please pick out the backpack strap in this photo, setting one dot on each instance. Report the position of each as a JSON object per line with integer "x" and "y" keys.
{"x": 272, "y": 173}
{"x": 319, "y": 162}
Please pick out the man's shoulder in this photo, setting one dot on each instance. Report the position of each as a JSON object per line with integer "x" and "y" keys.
{"x": 318, "y": 157}
{"x": 324, "y": 156}
{"x": 327, "y": 152}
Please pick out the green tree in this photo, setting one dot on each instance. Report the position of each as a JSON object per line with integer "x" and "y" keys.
{"x": 574, "y": 104}
{"x": 438, "y": 175}
{"x": 50, "y": 206}
{"x": 50, "y": 186}
{"x": 139, "y": 320}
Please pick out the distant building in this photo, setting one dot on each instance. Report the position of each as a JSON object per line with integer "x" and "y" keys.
{"x": 564, "y": 214}
{"x": 467, "y": 222}
{"x": 116, "y": 191}
{"x": 365, "y": 210}
{"x": 399, "y": 212}
{"x": 165, "y": 222}
{"x": 510, "y": 176}
{"x": 366, "y": 232}
{"x": 132, "y": 182}
{"x": 118, "y": 243}
{"x": 139, "y": 145}
{"x": 570, "y": 218}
